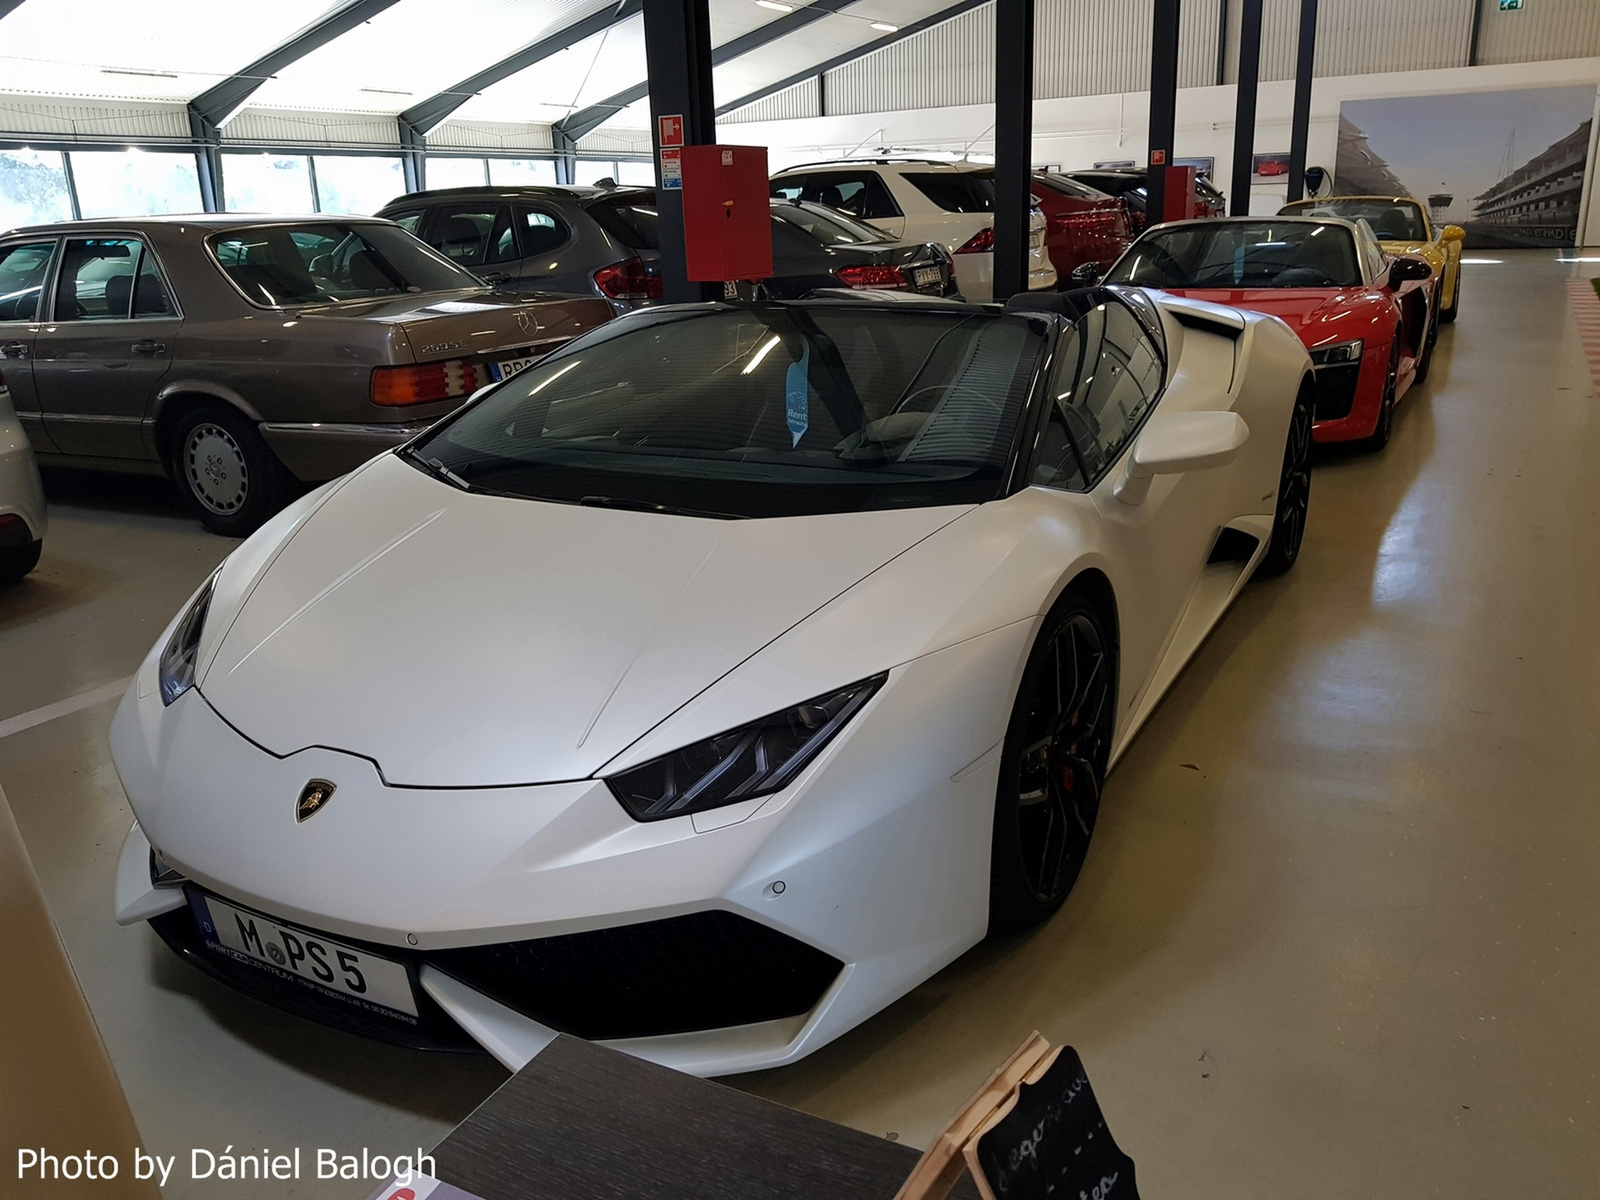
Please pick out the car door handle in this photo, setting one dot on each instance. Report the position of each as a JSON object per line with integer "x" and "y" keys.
{"x": 14, "y": 350}
{"x": 149, "y": 347}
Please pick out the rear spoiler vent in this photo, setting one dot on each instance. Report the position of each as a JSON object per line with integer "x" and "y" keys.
{"x": 1208, "y": 318}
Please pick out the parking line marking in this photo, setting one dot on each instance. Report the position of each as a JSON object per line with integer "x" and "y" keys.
{"x": 62, "y": 708}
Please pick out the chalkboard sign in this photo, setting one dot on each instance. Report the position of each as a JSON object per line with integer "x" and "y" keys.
{"x": 1050, "y": 1139}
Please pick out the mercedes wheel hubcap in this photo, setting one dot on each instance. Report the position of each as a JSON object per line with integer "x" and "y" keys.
{"x": 216, "y": 468}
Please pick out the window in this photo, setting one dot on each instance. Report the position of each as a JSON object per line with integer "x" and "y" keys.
{"x": 861, "y": 194}
{"x": 329, "y": 260}
{"x": 505, "y": 172}
{"x": 267, "y": 183}
{"x": 33, "y": 189}
{"x": 135, "y": 182}
{"x": 1120, "y": 379}
{"x": 455, "y": 172}
{"x": 829, "y": 228}
{"x": 357, "y": 184}
{"x": 474, "y": 235}
{"x": 590, "y": 171}
{"x": 1391, "y": 220}
{"x": 635, "y": 225}
{"x": 1068, "y": 187}
{"x": 541, "y": 231}
{"x": 408, "y": 220}
{"x": 1241, "y": 254}
{"x": 764, "y": 410}
{"x": 150, "y": 297}
{"x": 97, "y": 279}
{"x": 1058, "y": 465}
{"x": 636, "y": 174}
{"x": 955, "y": 191}
{"x": 22, "y": 272}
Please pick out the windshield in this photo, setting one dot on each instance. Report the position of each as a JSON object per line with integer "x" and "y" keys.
{"x": 631, "y": 219}
{"x": 1391, "y": 220}
{"x": 1241, "y": 254}
{"x": 316, "y": 262}
{"x": 759, "y": 411}
{"x": 826, "y": 225}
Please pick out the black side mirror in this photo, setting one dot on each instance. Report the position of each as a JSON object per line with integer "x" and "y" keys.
{"x": 1086, "y": 274}
{"x": 1408, "y": 268}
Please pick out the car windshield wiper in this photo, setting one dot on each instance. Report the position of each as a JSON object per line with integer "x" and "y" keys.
{"x": 649, "y": 506}
{"x": 438, "y": 470}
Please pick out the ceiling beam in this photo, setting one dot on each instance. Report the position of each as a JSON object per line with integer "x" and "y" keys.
{"x": 217, "y": 103}
{"x": 570, "y": 128}
{"x": 8, "y": 6}
{"x": 426, "y": 115}
{"x": 849, "y": 56}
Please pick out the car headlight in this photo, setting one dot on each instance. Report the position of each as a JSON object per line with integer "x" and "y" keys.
{"x": 177, "y": 659}
{"x": 754, "y": 760}
{"x": 1337, "y": 355}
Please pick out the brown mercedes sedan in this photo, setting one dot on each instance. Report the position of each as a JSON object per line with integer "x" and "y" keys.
{"x": 242, "y": 354}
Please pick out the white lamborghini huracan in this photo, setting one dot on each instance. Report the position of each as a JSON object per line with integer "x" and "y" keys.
{"x": 710, "y": 683}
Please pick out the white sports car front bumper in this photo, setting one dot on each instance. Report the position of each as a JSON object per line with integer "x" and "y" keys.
{"x": 878, "y": 855}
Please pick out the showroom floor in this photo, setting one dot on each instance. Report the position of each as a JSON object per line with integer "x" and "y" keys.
{"x": 1337, "y": 930}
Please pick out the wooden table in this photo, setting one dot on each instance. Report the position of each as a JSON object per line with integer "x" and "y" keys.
{"x": 581, "y": 1122}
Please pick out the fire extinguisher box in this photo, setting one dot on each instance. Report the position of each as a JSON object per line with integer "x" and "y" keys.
{"x": 1179, "y": 202}
{"x": 727, "y": 215}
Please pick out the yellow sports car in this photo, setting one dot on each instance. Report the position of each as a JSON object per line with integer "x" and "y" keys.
{"x": 1403, "y": 227}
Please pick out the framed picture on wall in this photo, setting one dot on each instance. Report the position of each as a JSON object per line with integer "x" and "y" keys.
{"x": 1203, "y": 167}
{"x": 1121, "y": 164}
{"x": 1270, "y": 168}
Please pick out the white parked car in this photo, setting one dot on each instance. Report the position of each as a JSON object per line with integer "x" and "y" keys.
{"x": 714, "y": 681}
{"x": 925, "y": 201}
{"x": 22, "y": 507}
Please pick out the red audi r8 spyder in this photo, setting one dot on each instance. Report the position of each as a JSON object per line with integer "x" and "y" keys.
{"x": 1367, "y": 319}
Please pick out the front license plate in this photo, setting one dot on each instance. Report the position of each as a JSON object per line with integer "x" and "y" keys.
{"x": 927, "y": 277}
{"x": 506, "y": 368}
{"x": 313, "y": 958}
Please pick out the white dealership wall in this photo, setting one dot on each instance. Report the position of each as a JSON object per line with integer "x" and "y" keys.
{"x": 1079, "y": 131}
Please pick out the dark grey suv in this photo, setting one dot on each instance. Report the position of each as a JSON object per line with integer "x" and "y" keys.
{"x": 536, "y": 239}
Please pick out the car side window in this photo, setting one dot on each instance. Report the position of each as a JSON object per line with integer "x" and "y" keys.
{"x": 408, "y": 220}
{"x": 788, "y": 189}
{"x": 861, "y": 194}
{"x": 1119, "y": 381}
{"x": 1057, "y": 464}
{"x": 150, "y": 297}
{"x": 541, "y": 232}
{"x": 96, "y": 282}
{"x": 474, "y": 235}
{"x": 22, "y": 273}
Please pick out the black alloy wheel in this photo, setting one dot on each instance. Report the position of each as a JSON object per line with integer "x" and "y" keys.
{"x": 1294, "y": 485}
{"x": 1385, "y": 426}
{"x": 1052, "y": 766}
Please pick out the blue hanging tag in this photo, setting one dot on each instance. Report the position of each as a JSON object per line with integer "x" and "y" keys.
{"x": 795, "y": 407}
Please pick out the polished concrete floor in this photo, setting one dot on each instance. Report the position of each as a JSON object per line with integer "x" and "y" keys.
{"x": 1338, "y": 930}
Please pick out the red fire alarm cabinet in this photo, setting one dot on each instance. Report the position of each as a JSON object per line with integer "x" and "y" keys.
{"x": 1178, "y": 204}
{"x": 727, "y": 215}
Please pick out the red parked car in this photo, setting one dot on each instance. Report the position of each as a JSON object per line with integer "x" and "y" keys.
{"x": 1130, "y": 187}
{"x": 1366, "y": 319}
{"x": 1084, "y": 228}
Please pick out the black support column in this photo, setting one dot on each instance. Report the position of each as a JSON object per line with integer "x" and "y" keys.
{"x": 1163, "y": 103}
{"x": 677, "y": 47}
{"x": 1300, "y": 129}
{"x": 1244, "y": 109}
{"x": 1013, "y": 144}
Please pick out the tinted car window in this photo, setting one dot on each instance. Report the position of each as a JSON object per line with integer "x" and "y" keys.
{"x": 764, "y": 410}
{"x": 1118, "y": 381}
{"x": 1391, "y": 220}
{"x": 96, "y": 281}
{"x": 1057, "y": 465}
{"x": 150, "y": 297}
{"x": 407, "y": 220}
{"x": 22, "y": 272}
{"x": 955, "y": 191}
{"x": 632, "y": 222}
{"x": 322, "y": 261}
{"x": 828, "y": 227}
{"x": 860, "y": 193}
{"x": 1241, "y": 254}
{"x": 1068, "y": 187}
{"x": 541, "y": 232}
{"x": 474, "y": 236}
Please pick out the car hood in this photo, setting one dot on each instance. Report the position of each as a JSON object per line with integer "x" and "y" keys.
{"x": 445, "y": 325}
{"x": 463, "y": 640}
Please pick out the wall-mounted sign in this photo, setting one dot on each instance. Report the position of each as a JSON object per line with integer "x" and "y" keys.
{"x": 672, "y": 169}
{"x": 671, "y": 129}
{"x": 1510, "y": 5}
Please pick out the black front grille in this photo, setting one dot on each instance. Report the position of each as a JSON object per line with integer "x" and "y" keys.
{"x": 1336, "y": 390}
{"x": 703, "y": 971}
